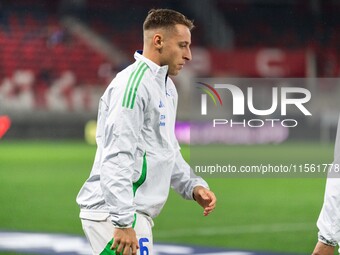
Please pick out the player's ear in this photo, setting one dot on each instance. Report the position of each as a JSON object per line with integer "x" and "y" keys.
{"x": 158, "y": 41}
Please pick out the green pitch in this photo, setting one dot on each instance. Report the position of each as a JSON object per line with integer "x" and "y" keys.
{"x": 40, "y": 180}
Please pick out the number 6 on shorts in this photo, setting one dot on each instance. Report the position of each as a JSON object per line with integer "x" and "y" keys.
{"x": 142, "y": 248}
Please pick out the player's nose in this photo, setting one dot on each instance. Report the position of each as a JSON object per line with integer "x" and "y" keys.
{"x": 187, "y": 55}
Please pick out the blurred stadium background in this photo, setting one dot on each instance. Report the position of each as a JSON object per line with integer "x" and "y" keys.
{"x": 57, "y": 57}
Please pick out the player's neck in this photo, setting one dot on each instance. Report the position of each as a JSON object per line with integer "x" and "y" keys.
{"x": 151, "y": 55}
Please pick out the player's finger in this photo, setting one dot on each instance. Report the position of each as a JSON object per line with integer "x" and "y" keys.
{"x": 213, "y": 198}
{"x": 127, "y": 249}
{"x": 206, "y": 213}
{"x": 115, "y": 244}
{"x": 120, "y": 248}
{"x": 208, "y": 209}
{"x": 212, "y": 203}
{"x": 134, "y": 249}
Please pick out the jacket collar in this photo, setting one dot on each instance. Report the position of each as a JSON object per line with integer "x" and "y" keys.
{"x": 155, "y": 69}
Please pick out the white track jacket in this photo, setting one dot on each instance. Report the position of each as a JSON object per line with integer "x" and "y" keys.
{"x": 329, "y": 219}
{"x": 138, "y": 157}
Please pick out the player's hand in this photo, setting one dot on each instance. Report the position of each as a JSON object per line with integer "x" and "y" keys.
{"x": 205, "y": 198}
{"x": 323, "y": 249}
{"x": 125, "y": 240}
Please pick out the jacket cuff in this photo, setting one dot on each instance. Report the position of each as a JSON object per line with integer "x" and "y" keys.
{"x": 327, "y": 241}
{"x": 122, "y": 221}
{"x": 121, "y": 226}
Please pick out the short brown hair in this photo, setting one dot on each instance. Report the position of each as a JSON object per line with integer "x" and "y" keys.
{"x": 165, "y": 18}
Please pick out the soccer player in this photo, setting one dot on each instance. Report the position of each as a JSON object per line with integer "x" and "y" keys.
{"x": 138, "y": 157}
{"x": 329, "y": 218}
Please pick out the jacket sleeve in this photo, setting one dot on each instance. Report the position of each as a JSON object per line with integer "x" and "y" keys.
{"x": 183, "y": 179}
{"x": 122, "y": 129}
{"x": 329, "y": 218}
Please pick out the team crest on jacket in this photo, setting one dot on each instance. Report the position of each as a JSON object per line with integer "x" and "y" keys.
{"x": 161, "y": 104}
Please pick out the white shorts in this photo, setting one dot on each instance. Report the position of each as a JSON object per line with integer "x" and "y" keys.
{"x": 100, "y": 235}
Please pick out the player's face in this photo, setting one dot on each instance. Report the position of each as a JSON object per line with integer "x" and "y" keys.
{"x": 176, "y": 49}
